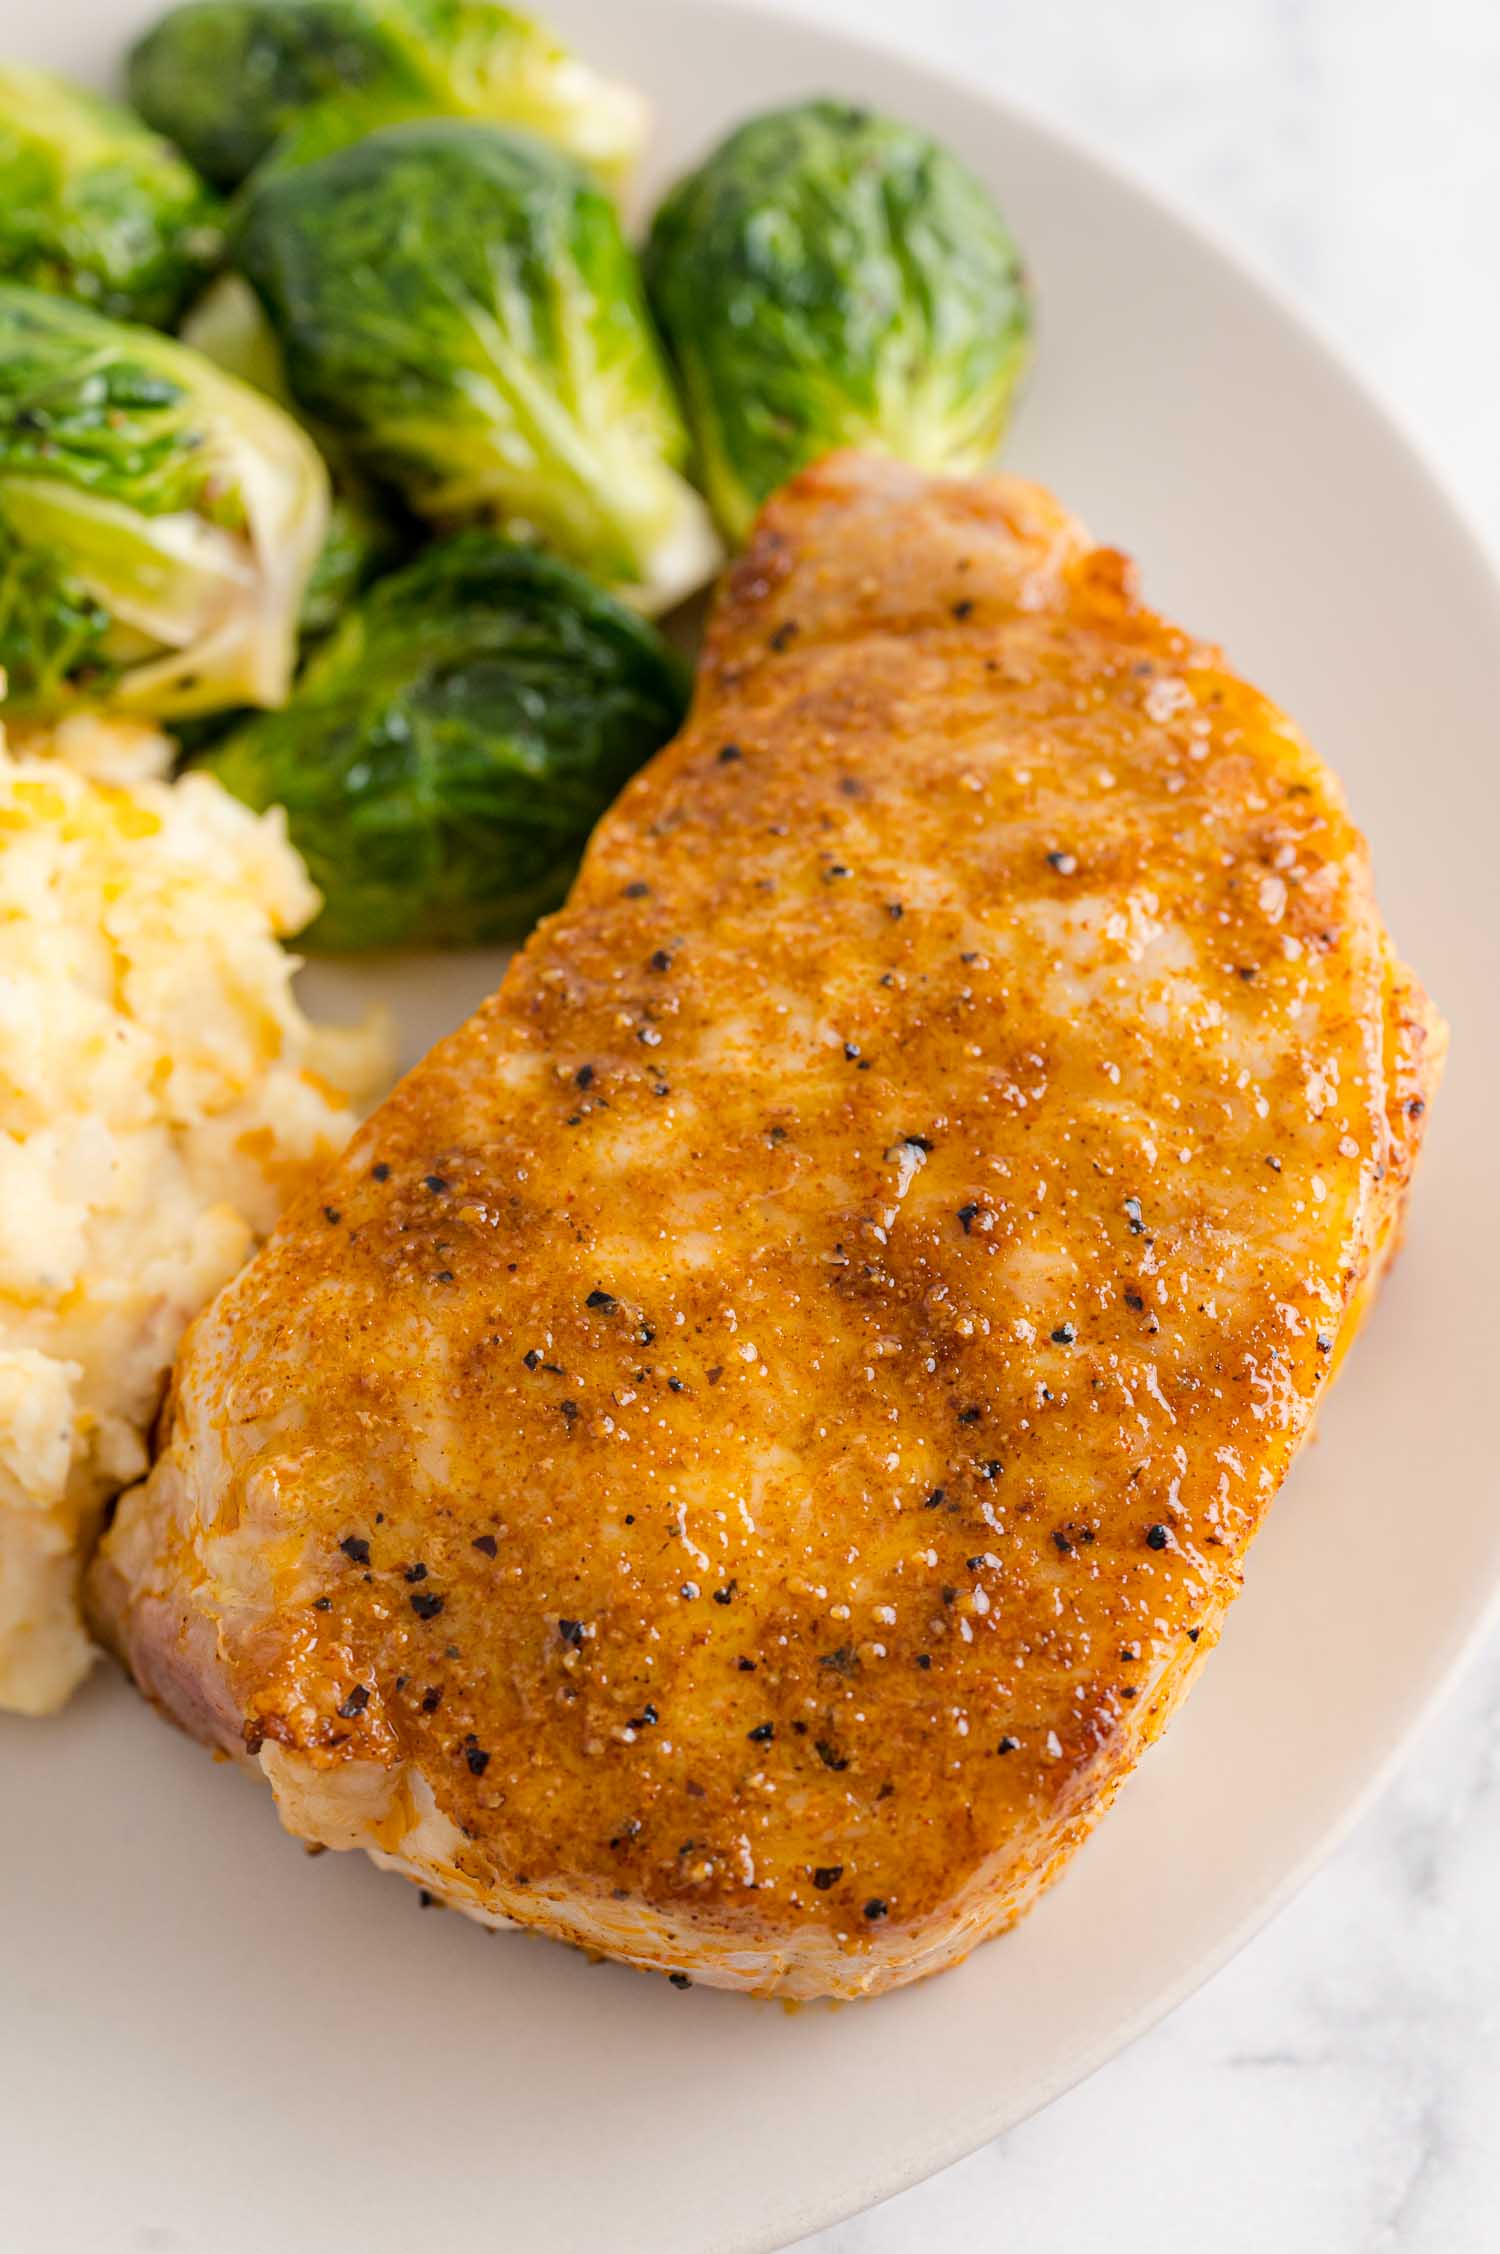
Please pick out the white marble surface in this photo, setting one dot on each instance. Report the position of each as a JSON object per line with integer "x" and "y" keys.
{"x": 1337, "y": 2089}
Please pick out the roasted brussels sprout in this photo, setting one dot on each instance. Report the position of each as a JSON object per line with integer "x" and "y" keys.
{"x": 228, "y": 326}
{"x": 223, "y": 78}
{"x": 830, "y": 278}
{"x": 446, "y": 753}
{"x": 158, "y": 520}
{"x": 94, "y": 206}
{"x": 459, "y": 305}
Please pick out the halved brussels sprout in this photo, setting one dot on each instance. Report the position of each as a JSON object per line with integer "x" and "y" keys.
{"x": 158, "y": 519}
{"x": 94, "y": 206}
{"x": 831, "y": 278}
{"x": 224, "y": 78}
{"x": 229, "y": 327}
{"x": 460, "y": 306}
{"x": 446, "y": 753}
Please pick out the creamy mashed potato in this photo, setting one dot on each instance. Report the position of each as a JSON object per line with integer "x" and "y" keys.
{"x": 161, "y": 1096}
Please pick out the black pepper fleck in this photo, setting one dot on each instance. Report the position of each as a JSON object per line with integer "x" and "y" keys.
{"x": 426, "y": 1604}
{"x": 826, "y": 1875}
{"x": 829, "y": 1755}
{"x": 475, "y": 1755}
{"x": 875, "y": 1907}
{"x": 1064, "y": 1335}
{"x": 1156, "y": 1537}
{"x": 437, "y": 1183}
{"x": 356, "y": 1549}
{"x": 355, "y": 1704}
{"x": 486, "y": 1545}
{"x": 571, "y": 1632}
{"x": 1008, "y": 1745}
{"x": 605, "y": 1301}
{"x": 679, "y": 1980}
{"x": 762, "y": 1733}
{"x": 1135, "y": 1217}
{"x": 416, "y": 1573}
{"x": 381, "y": 1171}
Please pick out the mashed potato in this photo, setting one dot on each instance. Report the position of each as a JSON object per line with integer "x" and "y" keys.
{"x": 161, "y": 1096}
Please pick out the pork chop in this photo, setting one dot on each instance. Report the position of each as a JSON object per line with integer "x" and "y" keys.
{"x": 757, "y": 1434}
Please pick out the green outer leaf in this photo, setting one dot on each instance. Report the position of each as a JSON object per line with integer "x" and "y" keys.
{"x": 446, "y": 753}
{"x": 158, "y": 519}
{"x": 832, "y": 278}
{"x": 96, "y": 207}
{"x": 222, "y": 78}
{"x": 459, "y": 304}
{"x": 226, "y": 78}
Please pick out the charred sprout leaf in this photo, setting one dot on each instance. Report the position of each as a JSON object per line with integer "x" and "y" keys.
{"x": 364, "y": 538}
{"x": 830, "y": 278}
{"x": 225, "y": 78}
{"x": 158, "y": 520}
{"x": 458, "y": 305}
{"x": 446, "y": 753}
{"x": 95, "y": 207}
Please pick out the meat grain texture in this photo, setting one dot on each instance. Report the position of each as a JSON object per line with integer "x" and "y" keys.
{"x": 759, "y": 1431}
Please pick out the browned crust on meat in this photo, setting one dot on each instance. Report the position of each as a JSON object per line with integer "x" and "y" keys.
{"x": 826, "y": 1332}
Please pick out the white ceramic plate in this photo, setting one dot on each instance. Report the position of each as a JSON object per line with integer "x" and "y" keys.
{"x": 211, "y": 2045}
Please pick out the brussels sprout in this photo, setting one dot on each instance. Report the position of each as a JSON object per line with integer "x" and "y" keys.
{"x": 446, "y": 753}
{"x": 158, "y": 520}
{"x": 224, "y": 78}
{"x": 94, "y": 206}
{"x": 829, "y": 278}
{"x": 459, "y": 305}
{"x": 228, "y": 327}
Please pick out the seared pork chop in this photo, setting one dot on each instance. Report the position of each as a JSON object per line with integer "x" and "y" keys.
{"x": 756, "y": 1435}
